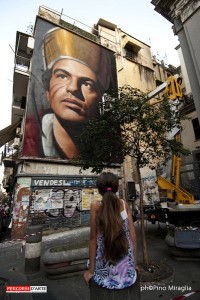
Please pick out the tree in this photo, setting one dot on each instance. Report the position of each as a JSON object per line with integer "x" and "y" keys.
{"x": 130, "y": 125}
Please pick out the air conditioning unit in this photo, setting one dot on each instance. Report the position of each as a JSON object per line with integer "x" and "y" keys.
{"x": 30, "y": 45}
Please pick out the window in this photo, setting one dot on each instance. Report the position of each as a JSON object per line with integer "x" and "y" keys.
{"x": 196, "y": 127}
{"x": 131, "y": 50}
{"x": 130, "y": 53}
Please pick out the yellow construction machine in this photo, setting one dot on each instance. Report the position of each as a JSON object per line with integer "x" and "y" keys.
{"x": 176, "y": 204}
{"x": 180, "y": 206}
{"x": 174, "y": 192}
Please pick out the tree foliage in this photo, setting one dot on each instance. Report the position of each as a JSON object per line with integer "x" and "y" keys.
{"x": 130, "y": 125}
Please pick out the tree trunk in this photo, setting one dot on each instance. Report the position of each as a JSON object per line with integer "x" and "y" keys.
{"x": 143, "y": 235}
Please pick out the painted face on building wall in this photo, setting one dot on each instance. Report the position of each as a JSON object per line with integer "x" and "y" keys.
{"x": 73, "y": 91}
{"x": 69, "y": 76}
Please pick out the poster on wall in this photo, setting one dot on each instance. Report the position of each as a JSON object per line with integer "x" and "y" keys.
{"x": 57, "y": 200}
{"x": 69, "y": 76}
{"x": 71, "y": 202}
{"x": 25, "y": 200}
{"x": 88, "y": 196}
{"x": 42, "y": 200}
{"x": 97, "y": 196}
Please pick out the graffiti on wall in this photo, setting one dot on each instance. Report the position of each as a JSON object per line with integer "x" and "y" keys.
{"x": 149, "y": 185}
{"x": 150, "y": 188}
{"x": 63, "y": 203}
{"x": 57, "y": 201}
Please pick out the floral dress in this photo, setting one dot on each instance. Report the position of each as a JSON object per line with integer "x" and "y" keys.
{"x": 120, "y": 275}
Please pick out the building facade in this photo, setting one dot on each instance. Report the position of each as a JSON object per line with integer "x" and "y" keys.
{"x": 45, "y": 187}
{"x": 185, "y": 17}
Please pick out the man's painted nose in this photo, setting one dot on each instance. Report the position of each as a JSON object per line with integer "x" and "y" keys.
{"x": 72, "y": 86}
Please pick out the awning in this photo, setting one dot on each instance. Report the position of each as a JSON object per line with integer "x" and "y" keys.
{"x": 8, "y": 134}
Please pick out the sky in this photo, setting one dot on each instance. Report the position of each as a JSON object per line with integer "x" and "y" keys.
{"x": 137, "y": 18}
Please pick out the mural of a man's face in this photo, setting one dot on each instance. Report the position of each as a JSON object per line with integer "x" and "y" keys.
{"x": 73, "y": 91}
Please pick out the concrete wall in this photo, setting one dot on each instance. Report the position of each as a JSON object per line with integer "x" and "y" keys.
{"x": 187, "y": 135}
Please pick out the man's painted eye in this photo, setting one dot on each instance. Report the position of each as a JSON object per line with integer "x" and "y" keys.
{"x": 62, "y": 76}
{"x": 89, "y": 85}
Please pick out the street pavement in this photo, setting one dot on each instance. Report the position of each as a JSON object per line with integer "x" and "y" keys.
{"x": 181, "y": 277}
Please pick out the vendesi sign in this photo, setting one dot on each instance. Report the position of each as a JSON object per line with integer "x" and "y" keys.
{"x": 64, "y": 182}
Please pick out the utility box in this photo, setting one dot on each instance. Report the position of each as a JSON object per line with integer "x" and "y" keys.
{"x": 188, "y": 238}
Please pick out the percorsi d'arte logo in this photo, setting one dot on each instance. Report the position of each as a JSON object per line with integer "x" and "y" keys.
{"x": 26, "y": 289}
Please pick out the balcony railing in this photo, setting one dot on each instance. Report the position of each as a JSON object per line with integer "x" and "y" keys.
{"x": 9, "y": 156}
{"x": 74, "y": 25}
{"x": 22, "y": 63}
{"x": 79, "y": 31}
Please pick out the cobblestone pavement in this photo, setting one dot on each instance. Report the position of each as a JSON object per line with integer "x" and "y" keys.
{"x": 171, "y": 277}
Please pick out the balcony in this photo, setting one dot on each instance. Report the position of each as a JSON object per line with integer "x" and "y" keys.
{"x": 91, "y": 33}
{"x": 80, "y": 31}
{"x": 187, "y": 104}
{"x": 22, "y": 64}
{"x": 18, "y": 108}
{"x": 9, "y": 156}
{"x": 19, "y": 102}
{"x": 20, "y": 86}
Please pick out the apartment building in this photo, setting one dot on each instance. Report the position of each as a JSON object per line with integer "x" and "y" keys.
{"x": 184, "y": 17}
{"x": 44, "y": 186}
